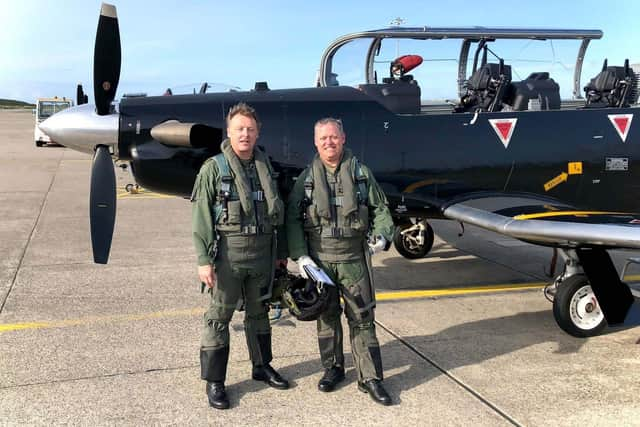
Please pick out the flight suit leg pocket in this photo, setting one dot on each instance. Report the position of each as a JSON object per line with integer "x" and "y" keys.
{"x": 356, "y": 288}
{"x": 215, "y": 333}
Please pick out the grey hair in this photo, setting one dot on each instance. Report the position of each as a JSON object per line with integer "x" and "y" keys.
{"x": 328, "y": 120}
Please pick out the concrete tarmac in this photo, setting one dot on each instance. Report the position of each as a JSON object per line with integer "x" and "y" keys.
{"x": 86, "y": 344}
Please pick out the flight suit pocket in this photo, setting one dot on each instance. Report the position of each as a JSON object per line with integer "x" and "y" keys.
{"x": 356, "y": 288}
{"x": 360, "y": 219}
{"x": 312, "y": 219}
{"x": 353, "y": 273}
{"x": 233, "y": 218}
{"x": 235, "y": 212}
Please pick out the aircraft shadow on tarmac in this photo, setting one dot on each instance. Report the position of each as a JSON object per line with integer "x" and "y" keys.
{"x": 457, "y": 346}
{"x": 445, "y": 272}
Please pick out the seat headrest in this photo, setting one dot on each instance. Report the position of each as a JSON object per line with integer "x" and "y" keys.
{"x": 404, "y": 64}
{"x": 480, "y": 79}
{"x": 538, "y": 76}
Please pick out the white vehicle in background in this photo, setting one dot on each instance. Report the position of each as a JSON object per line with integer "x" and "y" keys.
{"x": 45, "y": 108}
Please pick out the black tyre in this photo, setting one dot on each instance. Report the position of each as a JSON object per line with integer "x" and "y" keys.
{"x": 39, "y": 143}
{"x": 128, "y": 188}
{"x": 576, "y": 308}
{"x": 408, "y": 243}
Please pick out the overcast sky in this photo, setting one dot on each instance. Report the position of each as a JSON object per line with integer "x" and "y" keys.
{"x": 46, "y": 47}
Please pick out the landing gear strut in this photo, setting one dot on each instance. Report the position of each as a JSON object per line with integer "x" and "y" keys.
{"x": 413, "y": 241}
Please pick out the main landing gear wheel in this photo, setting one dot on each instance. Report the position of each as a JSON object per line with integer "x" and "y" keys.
{"x": 413, "y": 241}
{"x": 576, "y": 308}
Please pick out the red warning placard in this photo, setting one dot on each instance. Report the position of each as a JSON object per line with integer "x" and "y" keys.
{"x": 622, "y": 124}
{"x": 504, "y": 129}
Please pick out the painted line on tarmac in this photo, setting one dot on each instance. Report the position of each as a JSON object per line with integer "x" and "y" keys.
{"x": 386, "y": 296}
{"x": 99, "y": 319}
{"x": 380, "y": 296}
{"x": 506, "y": 287}
{"x": 143, "y": 194}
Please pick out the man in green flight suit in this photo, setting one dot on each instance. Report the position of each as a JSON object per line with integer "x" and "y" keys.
{"x": 334, "y": 206}
{"x": 237, "y": 212}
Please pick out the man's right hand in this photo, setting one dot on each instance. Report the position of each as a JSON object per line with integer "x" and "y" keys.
{"x": 207, "y": 275}
{"x": 302, "y": 261}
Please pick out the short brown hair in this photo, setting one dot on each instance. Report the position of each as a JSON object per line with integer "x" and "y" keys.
{"x": 327, "y": 120}
{"x": 244, "y": 110}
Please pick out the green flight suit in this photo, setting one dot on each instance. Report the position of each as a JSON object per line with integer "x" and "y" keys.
{"x": 337, "y": 243}
{"x": 241, "y": 249}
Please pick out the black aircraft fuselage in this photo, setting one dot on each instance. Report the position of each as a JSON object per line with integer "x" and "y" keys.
{"x": 422, "y": 161}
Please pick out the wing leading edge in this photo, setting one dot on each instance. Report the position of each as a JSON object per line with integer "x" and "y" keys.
{"x": 566, "y": 229}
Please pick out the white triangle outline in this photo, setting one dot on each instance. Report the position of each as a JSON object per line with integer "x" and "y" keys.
{"x": 494, "y": 124}
{"x": 613, "y": 117}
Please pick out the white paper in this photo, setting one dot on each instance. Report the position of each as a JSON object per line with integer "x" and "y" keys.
{"x": 318, "y": 275}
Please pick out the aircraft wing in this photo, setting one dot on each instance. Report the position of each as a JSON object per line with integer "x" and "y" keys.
{"x": 555, "y": 227}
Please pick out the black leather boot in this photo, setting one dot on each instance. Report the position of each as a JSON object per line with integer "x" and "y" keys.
{"x": 217, "y": 395}
{"x": 269, "y": 375}
{"x": 376, "y": 391}
{"x": 332, "y": 376}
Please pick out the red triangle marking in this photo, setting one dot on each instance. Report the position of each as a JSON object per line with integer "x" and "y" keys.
{"x": 504, "y": 128}
{"x": 621, "y": 124}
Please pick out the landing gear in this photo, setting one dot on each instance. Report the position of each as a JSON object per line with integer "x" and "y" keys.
{"x": 413, "y": 241}
{"x": 39, "y": 143}
{"x": 132, "y": 188}
{"x": 576, "y": 308}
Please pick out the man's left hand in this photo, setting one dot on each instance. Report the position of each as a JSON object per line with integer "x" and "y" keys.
{"x": 377, "y": 245}
{"x": 281, "y": 263}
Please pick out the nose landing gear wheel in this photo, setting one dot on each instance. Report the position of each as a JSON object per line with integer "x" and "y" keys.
{"x": 413, "y": 241}
{"x": 132, "y": 188}
{"x": 576, "y": 308}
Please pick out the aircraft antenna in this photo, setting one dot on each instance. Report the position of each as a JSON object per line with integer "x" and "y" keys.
{"x": 396, "y": 22}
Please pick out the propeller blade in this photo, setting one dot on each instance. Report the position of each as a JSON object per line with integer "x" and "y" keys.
{"x": 102, "y": 204}
{"x": 106, "y": 59}
{"x": 80, "y": 96}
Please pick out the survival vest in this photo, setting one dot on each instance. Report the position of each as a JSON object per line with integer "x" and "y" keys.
{"x": 340, "y": 237}
{"x": 229, "y": 216}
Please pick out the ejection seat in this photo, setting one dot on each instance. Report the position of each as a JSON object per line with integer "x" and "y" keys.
{"x": 398, "y": 93}
{"x": 486, "y": 88}
{"x": 612, "y": 87}
{"x": 537, "y": 89}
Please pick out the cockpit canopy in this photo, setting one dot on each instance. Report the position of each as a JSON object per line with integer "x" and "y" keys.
{"x": 445, "y": 63}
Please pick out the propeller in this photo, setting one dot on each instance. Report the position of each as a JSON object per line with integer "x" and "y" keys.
{"x": 102, "y": 203}
{"x": 106, "y": 73}
{"x": 106, "y": 59}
